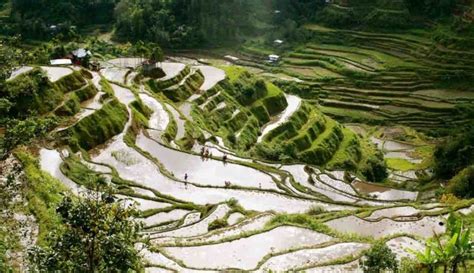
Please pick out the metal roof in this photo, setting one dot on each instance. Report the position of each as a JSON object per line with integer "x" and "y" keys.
{"x": 61, "y": 62}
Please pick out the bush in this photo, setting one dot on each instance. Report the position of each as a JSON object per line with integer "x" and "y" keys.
{"x": 462, "y": 185}
{"x": 316, "y": 210}
{"x": 217, "y": 224}
{"x": 454, "y": 155}
{"x": 24, "y": 131}
{"x": 31, "y": 93}
{"x": 379, "y": 259}
{"x": 408, "y": 265}
{"x": 375, "y": 169}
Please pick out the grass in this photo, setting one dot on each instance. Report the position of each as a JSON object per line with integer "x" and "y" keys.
{"x": 360, "y": 54}
{"x": 401, "y": 164}
{"x": 346, "y": 155}
{"x": 353, "y": 115}
{"x": 44, "y": 193}
{"x": 233, "y": 72}
{"x": 98, "y": 127}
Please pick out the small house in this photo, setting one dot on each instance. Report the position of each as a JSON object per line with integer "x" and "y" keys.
{"x": 273, "y": 58}
{"x": 81, "y": 56}
{"x": 278, "y": 42}
{"x": 53, "y": 28}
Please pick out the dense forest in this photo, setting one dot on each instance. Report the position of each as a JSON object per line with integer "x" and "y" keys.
{"x": 198, "y": 23}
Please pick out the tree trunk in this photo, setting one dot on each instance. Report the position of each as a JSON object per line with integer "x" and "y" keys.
{"x": 454, "y": 268}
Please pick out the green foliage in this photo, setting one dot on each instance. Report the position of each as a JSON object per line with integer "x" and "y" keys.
{"x": 43, "y": 193}
{"x": 185, "y": 23}
{"x": 303, "y": 220}
{"x": 99, "y": 235}
{"x": 20, "y": 132}
{"x": 316, "y": 210}
{"x": 73, "y": 103}
{"x": 432, "y": 8}
{"x": 391, "y": 19}
{"x": 408, "y": 265}
{"x": 462, "y": 185}
{"x": 451, "y": 251}
{"x": 248, "y": 89}
{"x": 180, "y": 92}
{"x": 454, "y": 155}
{"x": 375, "y": 168}
{"x": 4, "y": 266}
{"x": 98, "y": 127}
{"x": 298, "y": 11}
{"x": 9, "y": 189}
{"x": 217, "y": 224}
{"x": 385, "y": 14}
{"x": 378, "y": 259}
{"x": 10, "y": 57}
{"x": 34, "y": 18}
{"x": 31, "y": 93}
{"x": 338, "y": 17}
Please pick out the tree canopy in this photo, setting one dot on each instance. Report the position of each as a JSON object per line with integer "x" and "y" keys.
{"x": 98, "y": 234}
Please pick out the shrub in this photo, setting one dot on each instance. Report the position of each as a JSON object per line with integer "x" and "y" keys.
{"x": 378, "y": 259}
{"x": 24, "y": 131}
{"x": 408, "y": 265}
{"x": 217, "y": 224}
{"x": 462, "y": 185}
{"x": 316, "y": 210}
{"x": 454, "y": 155}
{"x": 375, "y": 169}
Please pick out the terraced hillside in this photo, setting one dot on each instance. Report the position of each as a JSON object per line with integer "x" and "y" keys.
{"x": 145, "y": 137}
{"x": 404, "y": 79}
{"x": 254, "y": 118}
{"x": 393, "y": 13}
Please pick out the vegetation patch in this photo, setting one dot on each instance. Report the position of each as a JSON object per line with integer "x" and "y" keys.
{"x": 98, "y": 127}
{"x": 43, "y": 193}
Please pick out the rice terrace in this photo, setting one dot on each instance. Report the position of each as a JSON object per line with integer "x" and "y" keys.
{"x": 237, "y": 136}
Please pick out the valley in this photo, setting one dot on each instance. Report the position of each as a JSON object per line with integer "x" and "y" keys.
{"x": 305, "y": 154}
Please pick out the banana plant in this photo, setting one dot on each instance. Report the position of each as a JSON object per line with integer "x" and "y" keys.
{"x": 455, "y": 250}
{"x": 427, "y": 258}
{"x": 460, "y": 247}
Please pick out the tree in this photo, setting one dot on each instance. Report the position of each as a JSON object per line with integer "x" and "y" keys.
{"x": 378, "y": 259}
{"x": 98, "y": 235}
{"x": 375, "y": 168}
{"x": 24, "y": 131}
{"x": 462, "y": 185}
{"x": 156, "y": 54}
{"x": 455, "y": 154}
{"x": 432, "y": 8}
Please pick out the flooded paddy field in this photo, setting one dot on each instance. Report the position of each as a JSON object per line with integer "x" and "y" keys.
{"x": 236, "y": 254}
{"x": 254, "y": 214}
